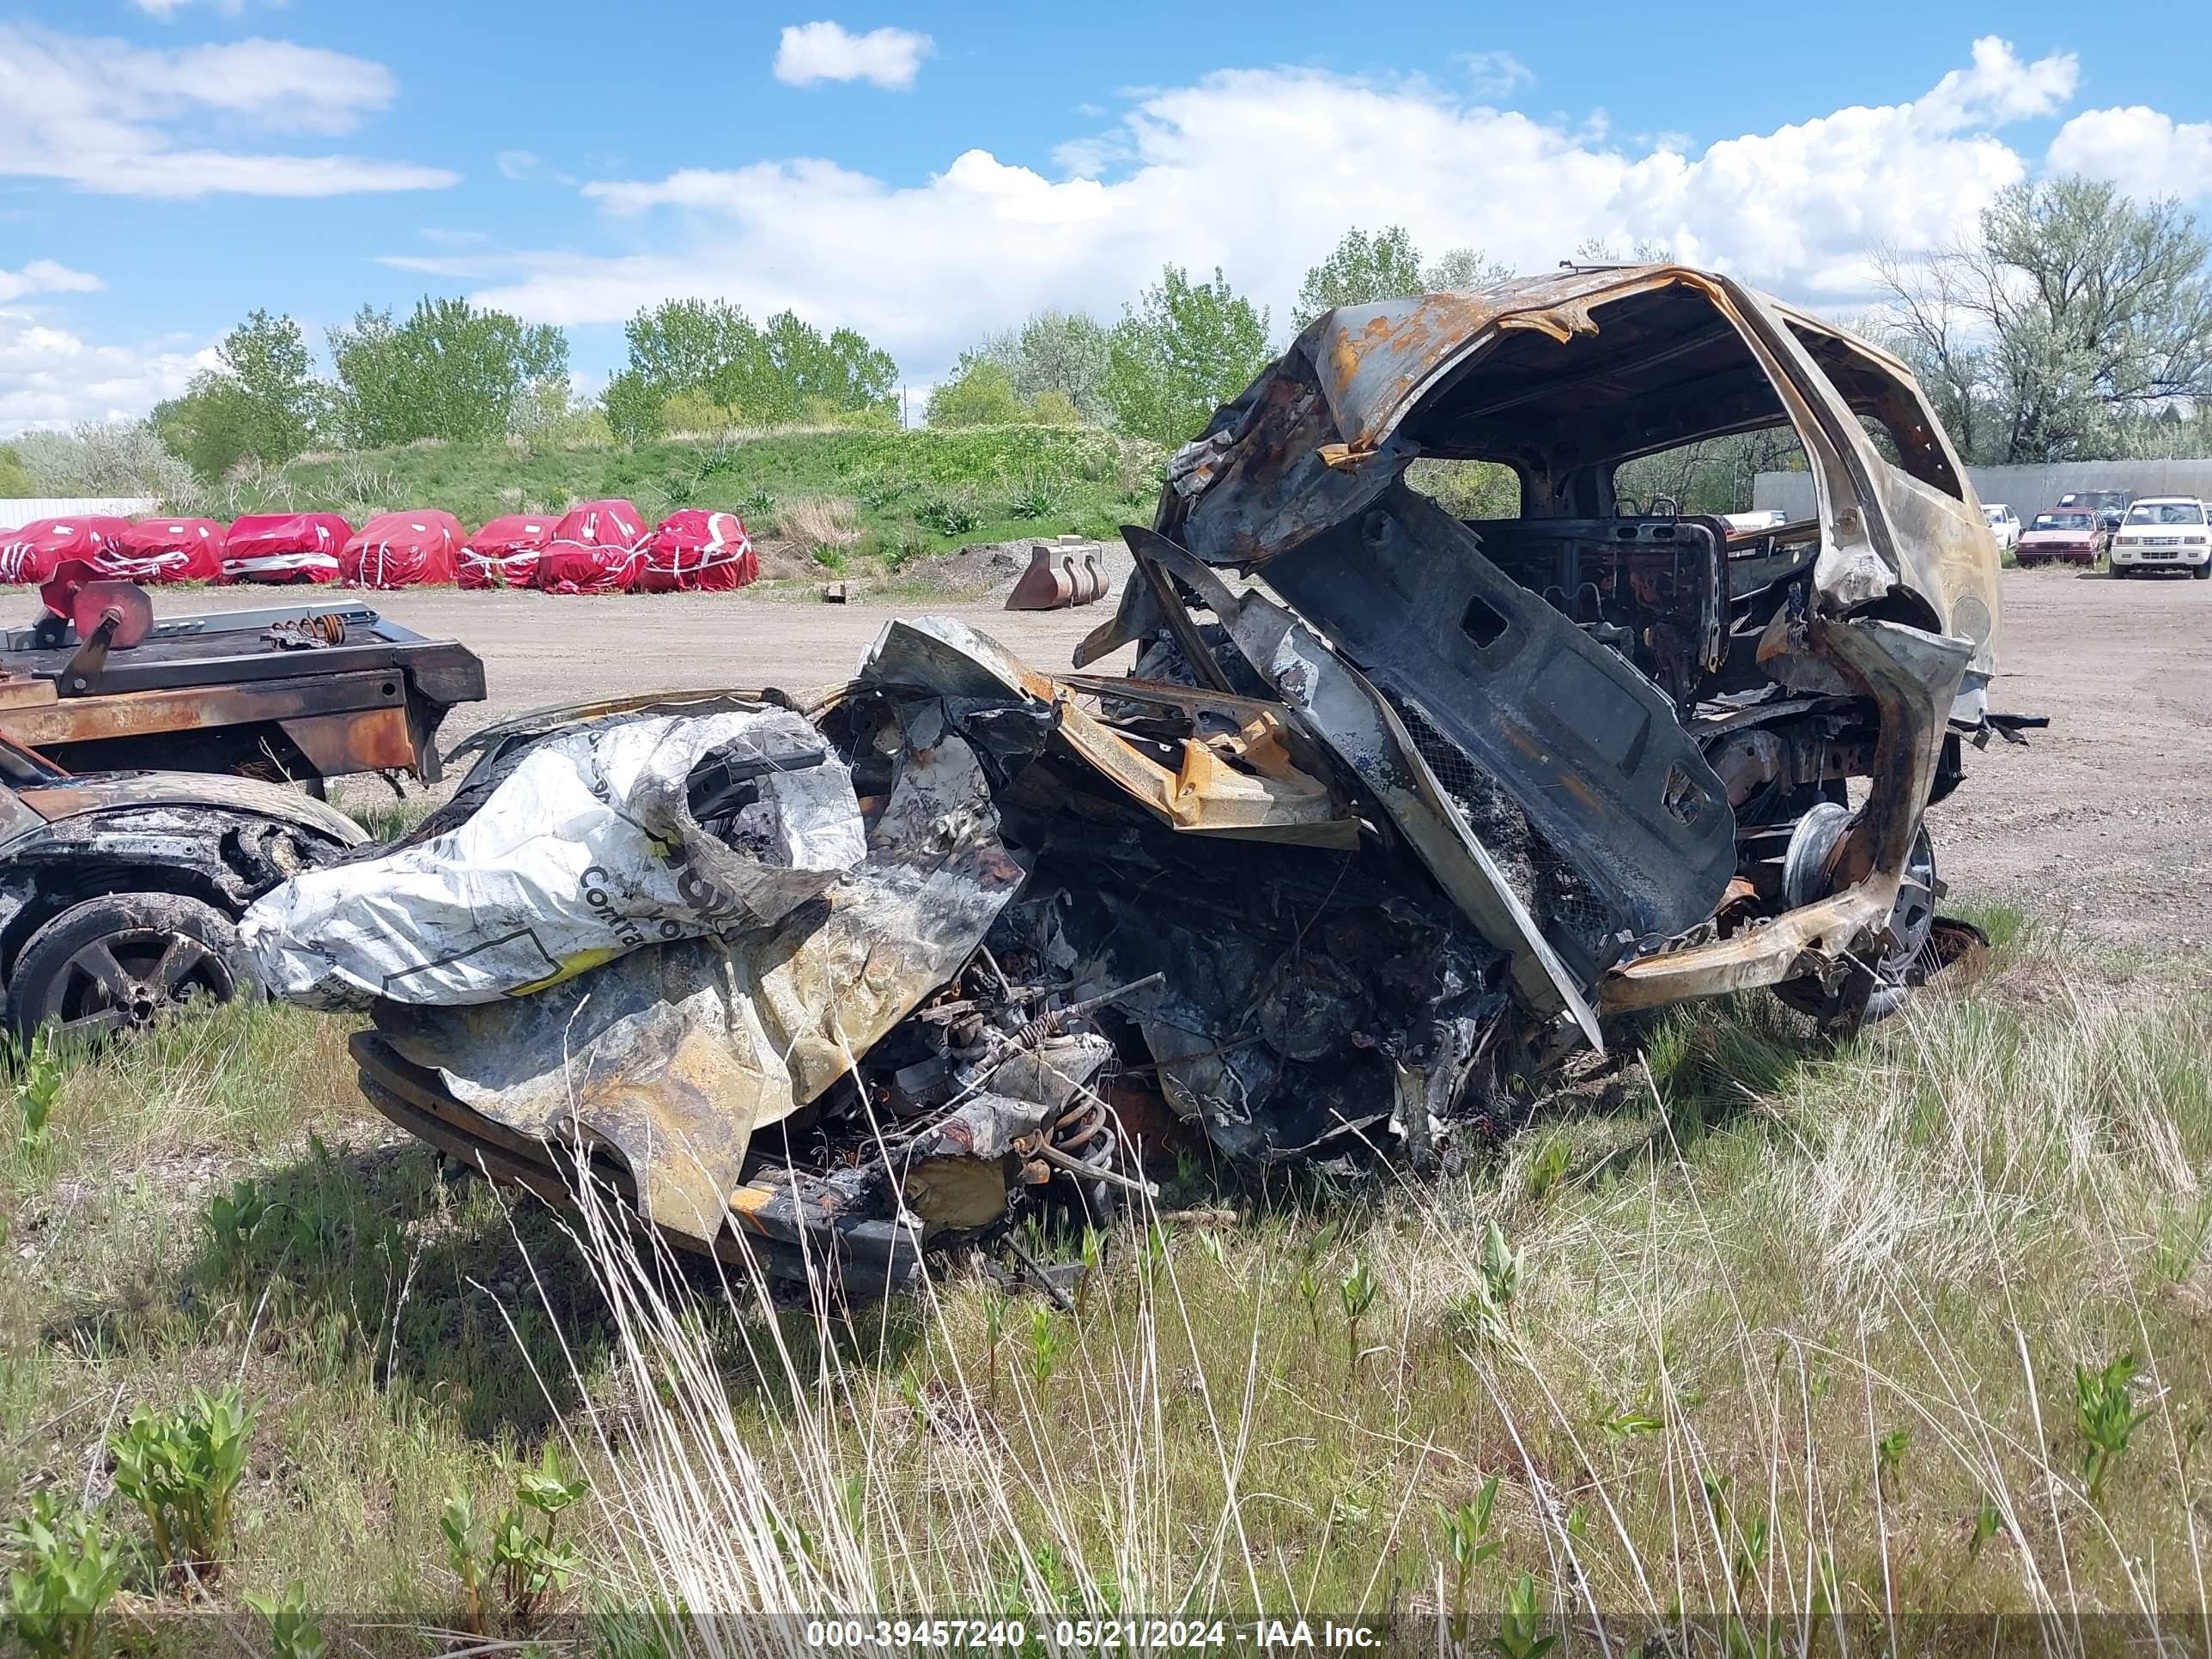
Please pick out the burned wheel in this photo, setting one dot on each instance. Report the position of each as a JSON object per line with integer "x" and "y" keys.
{"x": 119, "y": 963}
{"x": 1807, "y": 878}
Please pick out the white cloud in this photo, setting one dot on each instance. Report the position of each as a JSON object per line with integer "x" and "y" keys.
{"x": 888, "y": 58}
{"x": 118, "y": 120}
{"x": 167, "y": 11}
{"x": 2144, "y": 151}
{"x": 1259, "y": 172}
{"x": 515, "y": 163}
{"x": 45, "y": 277}
{"x": 1999, "y": 88}
{"x": 1493, "y": 74}
{"x": 50, "y": 377}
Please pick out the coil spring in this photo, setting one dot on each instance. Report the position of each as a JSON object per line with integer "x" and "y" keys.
{"x": 1087, "y": 1133}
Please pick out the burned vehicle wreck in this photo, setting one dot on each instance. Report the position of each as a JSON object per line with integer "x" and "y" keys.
{"x": 1661, "y": 719}
{"x": 1394, "y": 810}
{"x": 120, "y": 891}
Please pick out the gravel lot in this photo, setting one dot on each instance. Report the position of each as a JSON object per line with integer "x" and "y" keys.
{"x": 2106, "y": 818}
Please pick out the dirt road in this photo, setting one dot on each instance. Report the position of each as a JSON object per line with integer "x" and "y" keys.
{"x": 2107, "y": 817}
{"x": 540, "y": 650}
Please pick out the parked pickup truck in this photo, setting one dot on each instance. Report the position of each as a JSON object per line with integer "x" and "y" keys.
{"x": 298, "y": 693}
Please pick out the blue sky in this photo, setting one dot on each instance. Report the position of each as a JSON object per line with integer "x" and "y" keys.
{"x": 926, "y": 172}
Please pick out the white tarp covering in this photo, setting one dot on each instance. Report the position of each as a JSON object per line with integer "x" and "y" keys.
{"x": 587, "y": 849}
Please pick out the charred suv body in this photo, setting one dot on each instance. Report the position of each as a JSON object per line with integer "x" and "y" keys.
{"x": 1623, "y": 740}
{"x": 1394, "y": 810}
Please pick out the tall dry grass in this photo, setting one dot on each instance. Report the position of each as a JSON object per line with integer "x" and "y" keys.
{"x": 1772, "y": 1349}
{"x": 1766, "y": 1350}
{"x": 817, "y": 522}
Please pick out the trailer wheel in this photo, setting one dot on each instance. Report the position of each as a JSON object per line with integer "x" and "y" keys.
{"x": 118, "y": 964}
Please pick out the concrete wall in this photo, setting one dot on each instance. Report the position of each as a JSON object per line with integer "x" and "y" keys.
{"x": 2026, "y": 489}
{"x": 16, "y": 511}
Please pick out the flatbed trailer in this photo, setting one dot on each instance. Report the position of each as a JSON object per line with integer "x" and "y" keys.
{"x": 240, "y": 692}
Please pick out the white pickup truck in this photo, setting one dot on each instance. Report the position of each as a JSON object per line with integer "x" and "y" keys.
{"x": 2164, "y": 533}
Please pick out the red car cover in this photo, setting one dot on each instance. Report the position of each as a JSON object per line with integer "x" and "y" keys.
{"x": 171, "y": 550}
{"x": 694, "y": 549}
{"x": 41, "y": 547}
{"x": 596, "y": 548}
{"x": 504, "y": 553}
{"x": 284, "y": 547}
{"x": 402, "y": 550}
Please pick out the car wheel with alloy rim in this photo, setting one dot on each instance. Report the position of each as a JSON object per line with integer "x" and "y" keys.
{"x": 123, "y": 962}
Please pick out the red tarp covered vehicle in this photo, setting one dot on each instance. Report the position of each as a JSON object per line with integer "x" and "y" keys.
{"x": 597, "y": 548}
{"x": 504, "y": 553}
{"x": 402, "y": 550}
{"x": 697, "y": 550}
{"x": 284, "y": 547}
{"x": 33, "y": 553}
{"x": 170, "y": 550}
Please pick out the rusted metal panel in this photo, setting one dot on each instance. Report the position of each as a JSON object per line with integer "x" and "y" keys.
{"x": 367, "y": 740}
{"x": 1361, "y": 728}
{"x": 1911, "y": 676}
{"x": 1585, "y": 746}
{"x": 1207, "y": 791}
{"x": 138, "y": 713}
{"x": 221, "y": 684}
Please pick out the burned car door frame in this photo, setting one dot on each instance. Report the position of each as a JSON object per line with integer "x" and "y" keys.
{"x": 1574, "y": 720}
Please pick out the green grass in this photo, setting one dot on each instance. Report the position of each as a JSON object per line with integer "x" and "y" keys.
{"x": 1794, "y": 1331}
{"x": 917, "y": 493}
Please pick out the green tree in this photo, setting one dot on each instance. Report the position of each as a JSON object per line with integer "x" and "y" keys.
{"x": 808, "y": 371}
{"x": 1055, "y": 408}
{"x": 1360, "y": 271}
{"x": 14, "y": 480}
{"x": 261, "y": 404}
{"x": 1182, "y": 350}
{"x": 2075, "y": 318}
{"x": 764, "y": 375}
{"x": 1056, "y": 352}
{"x": 980, "y": 393}
{"x": 1462, "y": 271}
{"x": 450, "y": 371}
{"x": 267, "y": 358}
{"x": 209, "y": 428}
{"x": 552, "y": 416}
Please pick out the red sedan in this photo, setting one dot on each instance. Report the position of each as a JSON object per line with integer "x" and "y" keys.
{"x": 2069, "y": 535}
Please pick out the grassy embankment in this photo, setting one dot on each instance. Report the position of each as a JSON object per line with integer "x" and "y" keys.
{"x": 1762, "y": 1333}
{"x": 875, "y": 499}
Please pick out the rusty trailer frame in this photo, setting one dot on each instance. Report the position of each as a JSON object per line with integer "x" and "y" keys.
{"x": 213, "y": 692}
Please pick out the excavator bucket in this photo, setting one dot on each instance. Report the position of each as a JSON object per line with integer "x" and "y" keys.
{"x": 1063, "y": 571}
